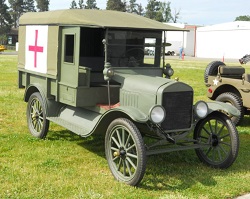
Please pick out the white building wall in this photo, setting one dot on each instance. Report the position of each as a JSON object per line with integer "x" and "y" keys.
{"x": 176, "y": 39}
{"x": 190, "y": 43}
{"x": 229, "y": 40}
{"x": 179, "y": 39}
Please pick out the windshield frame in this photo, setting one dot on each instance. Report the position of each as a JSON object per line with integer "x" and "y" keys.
{"x": 119, "y": 43}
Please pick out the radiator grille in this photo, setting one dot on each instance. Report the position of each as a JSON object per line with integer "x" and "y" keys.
{"x": 179, "y": 110}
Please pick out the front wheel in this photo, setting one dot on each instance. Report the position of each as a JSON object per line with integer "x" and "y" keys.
{"x": 125, "y": 151}
{"x": 220, "y": 140}
{"x": 36, "y": 116}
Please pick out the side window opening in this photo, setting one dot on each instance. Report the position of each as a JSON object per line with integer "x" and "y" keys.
{"x": 92, "y": 49}
{"x": 69, "y": 48}
{"x": 149, "y": 49}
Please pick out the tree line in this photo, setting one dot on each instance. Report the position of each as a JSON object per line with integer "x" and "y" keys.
{"x": 11, "y": 11}
{"x": 156, "y": 9}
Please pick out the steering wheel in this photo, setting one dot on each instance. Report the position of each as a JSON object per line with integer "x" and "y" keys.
{"x": 132, "y": 57}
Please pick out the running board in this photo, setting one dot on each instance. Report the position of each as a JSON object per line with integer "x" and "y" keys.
{"x": 78, "y": 120}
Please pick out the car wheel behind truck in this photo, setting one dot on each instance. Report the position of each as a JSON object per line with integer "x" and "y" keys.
{"x": 220, "y": 135}
{"x": 234, "y": 100}
{"x": 212, "y": 69}
{"x": 36, "y": 116}
{"x": 125, "y": 151}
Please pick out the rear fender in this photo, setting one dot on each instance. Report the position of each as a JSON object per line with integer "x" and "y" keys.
{"x": 228, "y": 109}
{"x": 32, "y": 88}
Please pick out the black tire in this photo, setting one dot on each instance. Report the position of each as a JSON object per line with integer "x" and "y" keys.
{"x": 36, "y": 116}
{"x": 125, "y": 151}
{"x": 234, "y": 100}
{"x": 212, "y": 69}
{"x": 220, "y": 139}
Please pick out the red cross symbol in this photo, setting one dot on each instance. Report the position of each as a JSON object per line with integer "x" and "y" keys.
{"x": 36, "y": 49}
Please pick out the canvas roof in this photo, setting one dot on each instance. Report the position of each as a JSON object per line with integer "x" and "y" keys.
{"x": 93, "y": 18}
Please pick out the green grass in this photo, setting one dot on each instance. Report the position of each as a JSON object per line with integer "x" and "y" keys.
{"x": 65, "y": 165}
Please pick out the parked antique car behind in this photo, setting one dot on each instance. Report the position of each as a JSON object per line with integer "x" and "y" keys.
{"x": 2, "y": 48}
{"x": 230, "y": 84}
{"x": 86, "y": 71}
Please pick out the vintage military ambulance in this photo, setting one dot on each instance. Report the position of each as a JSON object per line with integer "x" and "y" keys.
{"x": 86, "y": 70}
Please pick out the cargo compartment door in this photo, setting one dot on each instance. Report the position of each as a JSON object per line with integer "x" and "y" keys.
{"x": 70, "y": 41}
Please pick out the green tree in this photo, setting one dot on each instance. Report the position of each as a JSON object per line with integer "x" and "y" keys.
{"x": 91, "y": 4}
{"x": 3, "y": 39}
{"x": 116, "y": 5}
{"x": 81, "y": 4}
{"x": 132, "y": 6}
{"x": 153, "y": 10}
{"x": 166, "y": 11}
{"x": 161, "y": 11}
{"x": 16, "y": 10}
{"x": 42, "y": 5}
{"x": 29, "y": 6}
{"x": 243, "y": 18}
{"x": 175, "y": 15}
{"x": 140, "y": 10}
{"x": 73, "y": 5}
{"x": 5, "y": 21}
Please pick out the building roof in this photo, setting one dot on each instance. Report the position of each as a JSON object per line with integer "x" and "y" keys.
{"x": 13, "y": 31}
{"x": 236, "y": 25}
{"x": 93, "y": 18}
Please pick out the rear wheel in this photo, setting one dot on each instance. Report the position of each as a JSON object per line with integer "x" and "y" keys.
{"x": 220, "y": 140}
{"x": 36, "y": 116}
{"x": 125, "y": 151}
{"x": 234, "y": 100}
{"x": 212, "y": 69}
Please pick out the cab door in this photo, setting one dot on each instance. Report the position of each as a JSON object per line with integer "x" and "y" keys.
{"x": 68, "y": 80}
{"x": 70, "y": 55}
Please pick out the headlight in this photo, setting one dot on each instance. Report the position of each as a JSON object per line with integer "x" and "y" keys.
{"x": 168, "y": 71}
{"x": 201, "y": 109}
{"x": 157, "y": 114}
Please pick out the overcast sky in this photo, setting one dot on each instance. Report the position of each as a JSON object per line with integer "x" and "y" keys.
{"x": 192, "y": 12}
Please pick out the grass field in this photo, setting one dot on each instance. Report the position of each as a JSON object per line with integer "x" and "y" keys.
{"x": 65, "y": 165}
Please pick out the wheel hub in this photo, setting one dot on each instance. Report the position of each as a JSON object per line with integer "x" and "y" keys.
{"x": 121, "y": 153}
{"x": 35, "y": 115}
{"x": 215, "y": 140}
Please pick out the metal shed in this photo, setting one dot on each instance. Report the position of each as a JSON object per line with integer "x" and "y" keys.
{"x": 227, "y": 40}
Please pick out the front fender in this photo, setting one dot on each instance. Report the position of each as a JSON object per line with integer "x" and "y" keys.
{"x": 223, "y": 107}
{"x": 133, "y": 113}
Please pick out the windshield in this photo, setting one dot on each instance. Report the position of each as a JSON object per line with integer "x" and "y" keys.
{"x": 133, "y": 48}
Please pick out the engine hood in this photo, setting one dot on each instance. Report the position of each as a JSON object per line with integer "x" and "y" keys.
{"x": 144, "y": 84}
